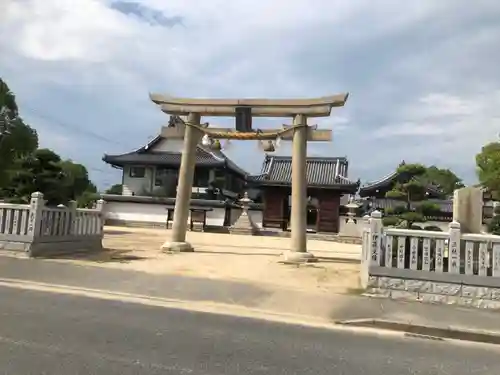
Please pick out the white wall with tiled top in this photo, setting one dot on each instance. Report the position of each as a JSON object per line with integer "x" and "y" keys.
{"x": 148, "y": 213}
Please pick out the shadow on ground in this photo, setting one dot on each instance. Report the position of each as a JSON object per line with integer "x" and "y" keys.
{"x": 233, "y": 252}
{"x": 104, "y": 256}
{"x": 113, "y": 232}
{"x": 333, "y": 259}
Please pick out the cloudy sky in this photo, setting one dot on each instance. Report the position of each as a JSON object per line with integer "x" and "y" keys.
{"x": 423, "y": 75}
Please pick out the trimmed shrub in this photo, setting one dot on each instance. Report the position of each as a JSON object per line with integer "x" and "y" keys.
{"x": 433, "y": 228}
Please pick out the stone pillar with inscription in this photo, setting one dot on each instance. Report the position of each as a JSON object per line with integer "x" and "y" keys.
{"x": 34, "y": 230}
{"x": 454, "y": 248}
{"x": 100, "y": 204}
{"x": 365, "y": 239}
{"x": 73, "y": 228}
{"x": 468, "y": 209}
{"x": 375, "y": 241}
{"x": 35, "y": 216}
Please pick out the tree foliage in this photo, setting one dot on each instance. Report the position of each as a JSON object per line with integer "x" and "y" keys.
{"x": 494, "y": 225}
{"x": 433, "y": 228}
{"x": 488, "y": 168}
{"x": 16, "y": 138}
{"x": 116, "y": 189}
{"x": 445, "y": 179}
{"x": 40, "y": 171}
{"x": 77, "y": 185}
{"x": 410, "y": 187}
{"x": 25, "y": 169}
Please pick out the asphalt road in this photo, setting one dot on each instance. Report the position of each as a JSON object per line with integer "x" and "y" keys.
{"x": 46, "y": 333}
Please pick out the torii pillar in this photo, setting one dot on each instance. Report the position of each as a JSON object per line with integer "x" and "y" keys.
{"x": 298, "y": 249}
{"x": 244, "y": 110}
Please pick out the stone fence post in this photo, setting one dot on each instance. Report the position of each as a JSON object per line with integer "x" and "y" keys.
{"x": 72, "y": 206}
{"x": 37, "y": 204}
{"x": 100, "y": 207}
{"x": 454, "y": 247}
{"x": 365, "y": 239}
{"x": 366, "y": 251}
{"x": 375, "y": 241}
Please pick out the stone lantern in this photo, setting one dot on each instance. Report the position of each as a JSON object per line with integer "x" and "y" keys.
{"x": 351, "y": 211}
{"x": 245, "y": 223}
{"x": 351, "y": 225}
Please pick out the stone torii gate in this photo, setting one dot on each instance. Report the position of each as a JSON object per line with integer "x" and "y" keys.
{"x": 244, "y": 110}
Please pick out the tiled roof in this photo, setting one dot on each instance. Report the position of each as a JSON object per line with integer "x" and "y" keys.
{"x": 379, "y": 183}
{"x": 367, "y": 189}
{"x": 144, "y": 155}
{"x": 445, "y": 205}
{"x": 321, "y": 172}
{"x": 157, "y": 158}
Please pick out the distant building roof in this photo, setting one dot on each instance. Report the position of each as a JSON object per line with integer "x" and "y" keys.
{"x": 382, "y": 182}
{"x": 147, "y": 156}
{"x": 324, "y": 172}
{"x": 371, "y": 188}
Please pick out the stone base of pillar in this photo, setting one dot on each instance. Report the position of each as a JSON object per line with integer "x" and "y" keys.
{"x": 177, "y": 247}
{"x": 295, "y": 257}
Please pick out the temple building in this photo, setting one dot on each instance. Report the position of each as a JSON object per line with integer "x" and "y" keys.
{"x": 153, "y": 170}
{"x": 327, "y": 183}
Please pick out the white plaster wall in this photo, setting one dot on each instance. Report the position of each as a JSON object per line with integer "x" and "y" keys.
{"x": 216, "y": 217}
{"x": 135, "y": 186}
{"x": 344, "y": 199}
{"x": 157, "y": 213}
{"x": 141, "y": 212}
{"x": 151, "y": 213}
{"x": 355, "y": 229}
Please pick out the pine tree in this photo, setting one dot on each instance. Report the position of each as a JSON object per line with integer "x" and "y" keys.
{"x": 410, "y": 187}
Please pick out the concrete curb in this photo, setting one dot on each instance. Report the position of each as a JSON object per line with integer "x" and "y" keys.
{"x": 439, "y": 333}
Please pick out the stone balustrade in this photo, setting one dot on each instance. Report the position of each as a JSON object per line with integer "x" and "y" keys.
{"x": 39, "y": 230}
{"x": 441, "y": 267}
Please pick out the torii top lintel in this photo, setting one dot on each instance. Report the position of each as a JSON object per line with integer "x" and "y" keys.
{"x": 319, "y": 107}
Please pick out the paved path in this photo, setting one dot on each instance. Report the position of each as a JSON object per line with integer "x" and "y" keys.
{"x": 43, "y": 333}
{"x": 306, "y": 305}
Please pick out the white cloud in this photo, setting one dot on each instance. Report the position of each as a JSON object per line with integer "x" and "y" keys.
{"x": 54, "y": 30}
{"x": 452, "y": 117}
{"x": 422, "y": 71}
{"x": 444, "y": 128}
{"x": 408, "y": 129}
